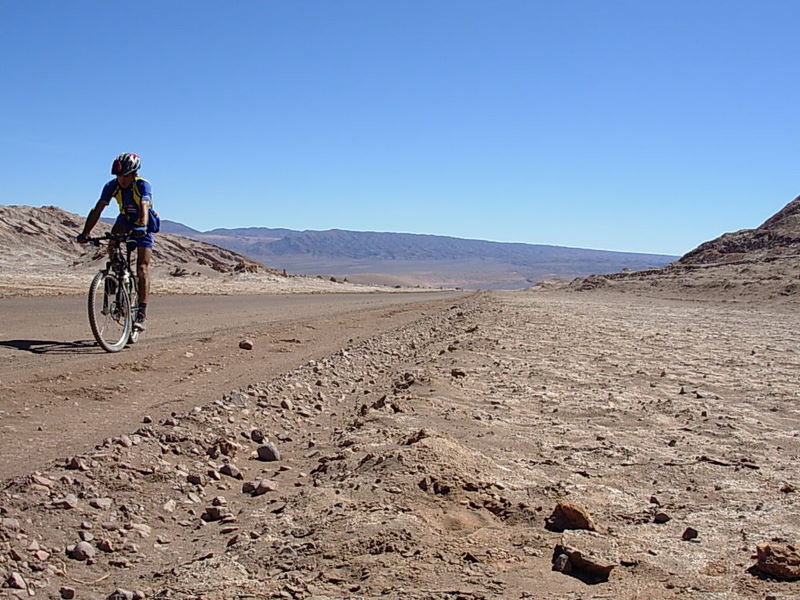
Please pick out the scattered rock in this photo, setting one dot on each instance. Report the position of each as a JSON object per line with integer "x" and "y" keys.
{"x": 101, "y": 503}
{"x": 258, "y": 488}
{"x": 567, "y": 515}
{"x": 41, "y": 555}
{"x": 16, "y": 581}
{"x": 231, "y": 470}
{"x": 43, "y": 481}
{"x": 196, "y": 479}
{"x": 81, "y": 551}
{"x": 223, "y": 447}
{"x": 68, "y": 501}
{"x": 257, "y": 436}
{"x": 269, "y": 452}
{"x": 780, "y": 562}
{"x": 9, "y": 524}
{"x": 264, "y": 486}
{"x": 76, "y": 463}
{"x": 690, "y": 533}
{"x": 67, "y": 593}
{"x": 586, "y": 556}
{"x": 143, "y": 530}
{"x": 246, "y": 344}
{"x": 125, "y": 441}
{"x": 661, "y": 517}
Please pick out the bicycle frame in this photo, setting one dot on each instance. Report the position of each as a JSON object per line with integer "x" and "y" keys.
{"x": 111, "y": 320}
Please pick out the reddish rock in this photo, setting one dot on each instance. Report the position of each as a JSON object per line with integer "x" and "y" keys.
{"x": 567, "y": 515}
{"x": 780, "y": 562}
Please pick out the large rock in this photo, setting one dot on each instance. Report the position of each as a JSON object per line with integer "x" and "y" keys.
{"x": 567, "y": 515}
{"x": 780, "y": 562}
{"x": 269, "y": 452}
{"x": 585, "y": 555}
{"x": 16, "y": 581}
{"x": 81, "y": 551}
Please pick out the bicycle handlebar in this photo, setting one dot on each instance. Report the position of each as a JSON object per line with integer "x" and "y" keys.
{"x": 108, "y": 237}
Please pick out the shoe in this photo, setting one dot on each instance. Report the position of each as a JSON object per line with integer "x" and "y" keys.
{"x": 139, "y": 322}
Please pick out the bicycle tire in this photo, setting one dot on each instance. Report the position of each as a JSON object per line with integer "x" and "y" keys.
{"x": 109, "y": 313}
{"x": 134, "y": 303}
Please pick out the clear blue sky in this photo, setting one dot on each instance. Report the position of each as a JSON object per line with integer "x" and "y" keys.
{"x": 610, "y": 124}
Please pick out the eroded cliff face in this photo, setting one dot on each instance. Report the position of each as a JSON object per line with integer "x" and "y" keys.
{"x": 778, "y": 236}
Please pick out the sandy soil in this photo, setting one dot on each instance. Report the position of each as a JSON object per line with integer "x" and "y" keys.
{"x": 62, "y": 393}
{"x": 25, "y": 282}
{"x": 423, "y": 459}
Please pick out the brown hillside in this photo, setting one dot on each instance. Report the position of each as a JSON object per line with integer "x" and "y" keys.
{"x": 755, "y": 266}
{"x": 32, "y": 237}
{"x": 778, "y": 236}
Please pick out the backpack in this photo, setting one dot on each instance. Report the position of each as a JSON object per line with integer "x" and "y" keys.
{"x": 153, "y": 221}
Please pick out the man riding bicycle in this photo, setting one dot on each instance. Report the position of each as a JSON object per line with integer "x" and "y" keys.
{"x": 135, "y": 198}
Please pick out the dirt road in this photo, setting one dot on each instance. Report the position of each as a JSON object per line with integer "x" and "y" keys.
{"x": 60, "y": 393}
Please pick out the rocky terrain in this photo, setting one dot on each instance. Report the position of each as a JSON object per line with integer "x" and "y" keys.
{"x": 751, "y": 265}
{"x": 39, "y": 256}
{"x": 509, "y": 446}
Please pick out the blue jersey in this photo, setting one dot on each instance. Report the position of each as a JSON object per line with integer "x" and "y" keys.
{"x": 130, "y": 199}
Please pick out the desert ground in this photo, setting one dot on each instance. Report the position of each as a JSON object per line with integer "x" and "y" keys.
{"x": 548, "y": 444}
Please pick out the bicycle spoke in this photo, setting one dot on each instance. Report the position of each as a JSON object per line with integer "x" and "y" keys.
{"x": 109, "y": 312}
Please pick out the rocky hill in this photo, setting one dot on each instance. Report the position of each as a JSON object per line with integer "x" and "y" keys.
{"x": 40, "y": 257}
{"x": 419, "y": 259}
{"x": 750, "y": 265}
{"x": 44, "y": 237}
{"x": 777, "y": 237}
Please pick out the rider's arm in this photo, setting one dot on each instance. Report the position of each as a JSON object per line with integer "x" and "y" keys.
{"x": 147, "y": 198}
{"x": 94, "y": 215}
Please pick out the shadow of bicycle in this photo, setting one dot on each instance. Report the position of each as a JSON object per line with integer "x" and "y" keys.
{"x": 52, "y": 346}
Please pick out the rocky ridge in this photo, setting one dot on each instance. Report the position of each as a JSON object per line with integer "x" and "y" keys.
{"x": 761, "y": 264}
{"x": 37, "y": 236}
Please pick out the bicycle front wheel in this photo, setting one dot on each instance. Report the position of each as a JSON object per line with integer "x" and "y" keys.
{"x": 109, "y": 312}
{"x": 133, "y": 298}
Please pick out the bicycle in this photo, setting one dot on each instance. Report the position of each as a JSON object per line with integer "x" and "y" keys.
{"x": 113, "y": 296}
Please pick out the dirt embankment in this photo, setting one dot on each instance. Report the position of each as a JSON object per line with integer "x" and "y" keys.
{"x": 424, "y": 463}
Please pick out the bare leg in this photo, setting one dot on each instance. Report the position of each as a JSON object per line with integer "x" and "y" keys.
{"x": 143, "y": 271}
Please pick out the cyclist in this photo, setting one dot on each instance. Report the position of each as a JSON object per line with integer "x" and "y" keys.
{"x": 135, "y": 198}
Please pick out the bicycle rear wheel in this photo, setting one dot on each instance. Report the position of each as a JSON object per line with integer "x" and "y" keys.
{"x": 109, "y": 312}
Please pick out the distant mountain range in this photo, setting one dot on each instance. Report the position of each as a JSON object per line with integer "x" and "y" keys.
{"x": 415, "y": 259}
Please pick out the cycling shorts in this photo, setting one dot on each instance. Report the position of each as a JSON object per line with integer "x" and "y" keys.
{"x": 122, "y": 224}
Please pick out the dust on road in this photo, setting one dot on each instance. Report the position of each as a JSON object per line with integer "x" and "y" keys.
{"x": 60, "y": 393}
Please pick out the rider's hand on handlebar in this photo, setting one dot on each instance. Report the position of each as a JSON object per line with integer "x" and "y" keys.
{"x": 82, "y": 238}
